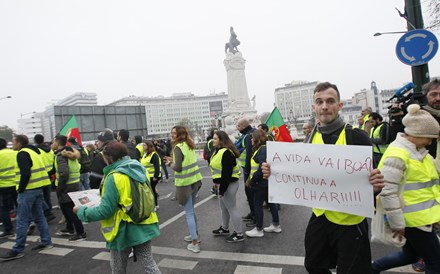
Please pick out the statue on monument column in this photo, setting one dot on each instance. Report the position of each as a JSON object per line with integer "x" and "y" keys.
{"x": 233, "y": 42}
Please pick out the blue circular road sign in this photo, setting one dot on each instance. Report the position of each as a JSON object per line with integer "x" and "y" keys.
{"x": 416, "y": 47}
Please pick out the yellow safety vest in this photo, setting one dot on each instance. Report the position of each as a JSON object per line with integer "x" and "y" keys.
{"x": 74, "y": 168}
{"x": 375, "y": 134}
{"x": 242, "y": 158}
{"x": 39, "y": 177}
{"x": 48, "y": 159}
{"x": 190, "y": 169}
{"x": 146, "y": 162}
{"x": 254, "y": 165}
{"x": 8, "y": 167}
{"x": 336, "y": 217}
{"x": 140, "y": 147}
{"x": 110, "y": 226}
{"x": 365, "y": 119}
{"x": 216, "y": 165}
{"x": 421, "y": 192}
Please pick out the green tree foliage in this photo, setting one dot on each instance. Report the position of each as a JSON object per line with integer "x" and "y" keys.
{"x": 6, "y": 133}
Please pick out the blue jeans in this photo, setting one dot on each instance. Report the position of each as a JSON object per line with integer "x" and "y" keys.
{"x": 30, "y": 204}
{"x": 191, "y": 218}
{"x": 164, "y": 170}
{"x": 260, "y": 195}
{"x": 419, "y": 244}
{"x": 85, "y": 181}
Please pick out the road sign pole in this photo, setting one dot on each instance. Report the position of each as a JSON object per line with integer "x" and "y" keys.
{"x": 420, "y": 74}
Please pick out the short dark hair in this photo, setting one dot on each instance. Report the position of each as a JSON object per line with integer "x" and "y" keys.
{"x": 124, "y": 134}
{"x": 434, "y": 84}
{"x": 3, "y": 143}
{"x": 38, "y": 139}
{"x": 115, "y": 150}
{"x": 138, "y": 139}
{"x": 326, "y": 85}
{"x": 22, "y": 139}
{"x": 264, "y": 127}
{"x": 376, "y": 116}
{"x": 61, "y": 139}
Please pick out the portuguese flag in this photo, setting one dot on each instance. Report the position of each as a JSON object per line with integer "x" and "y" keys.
{"x": 71, "y": 129}
{"x": 276, "y": 124}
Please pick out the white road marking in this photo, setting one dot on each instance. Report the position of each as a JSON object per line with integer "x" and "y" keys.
{"x": 247, "y": 269}
{"x": 58, "y": 251}
{"x": 177, "y": 264}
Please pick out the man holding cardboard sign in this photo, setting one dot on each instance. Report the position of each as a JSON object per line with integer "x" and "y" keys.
{"x": 334, "y": 238}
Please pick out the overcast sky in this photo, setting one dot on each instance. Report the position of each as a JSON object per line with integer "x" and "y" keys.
{"x": 51, "y": 49}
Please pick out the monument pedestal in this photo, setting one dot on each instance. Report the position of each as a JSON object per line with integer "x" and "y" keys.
{"x": 239, "y": 105}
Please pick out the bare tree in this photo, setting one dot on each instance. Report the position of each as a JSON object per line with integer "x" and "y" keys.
{"x": 434, "y": 14}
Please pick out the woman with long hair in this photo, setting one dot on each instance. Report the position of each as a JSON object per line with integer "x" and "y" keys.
{"x": 225, "y": 174}
{"x": 187, "y": 179}
{"x": 260, "y": 187}
{"x": 120, "y": 232}
{"x": 152, "y": 163}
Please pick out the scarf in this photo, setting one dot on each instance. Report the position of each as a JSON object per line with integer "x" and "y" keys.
{"x": 326, "y": 129}
{"x": 434, "y": 112}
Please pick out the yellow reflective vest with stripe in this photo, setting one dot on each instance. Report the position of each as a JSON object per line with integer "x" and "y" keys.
{"x": 336, "y": 217}
{"x": 254, "y": 165}
{"x": 216, "y": 165}
{"x": 110, "y": 226}
{"x": 421, "y": 193}
{"x": 48, "y": 159}
{"x": 74, "y": 168}
{"x": 190, "y": 169}
{"x": 375, "y": 134}
{"x": 146, "y": 162}
{"x": 39, "y": 177}
{"x": 140, "y": 147}
{"x": 8, "y": 168}
{"x": 242, "y": 159}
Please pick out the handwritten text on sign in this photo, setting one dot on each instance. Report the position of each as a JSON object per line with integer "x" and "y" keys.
{"x": 330, "y": 177}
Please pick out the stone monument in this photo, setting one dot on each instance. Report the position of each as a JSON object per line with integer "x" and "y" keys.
{"x": 239, "y": 105}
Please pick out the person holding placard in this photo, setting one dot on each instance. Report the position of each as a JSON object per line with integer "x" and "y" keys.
{"x": 412, "y": 174}
{"x": 335, "y": 239}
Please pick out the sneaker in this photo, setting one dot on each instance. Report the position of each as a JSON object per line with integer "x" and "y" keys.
{"x": 174, "y": 198}
{"x": 251, "y": 224}
{"x": 194, "y": 248}
{"x": 248, "y": 217}
{"x": 273, "y": 228}
{"x": 13, "y": 217}
{"x": 65, "y": 232}
{"x": 235, "y": 238}
{"x": 188, "y": 239}
{"x": 419, "y": 266}
{"x": 62, "y": 221}
{"x": 255, "y": 233}
{"x": 42, "y": 247}
{"x": 11, "y": 255}
{"x": 221, "y": 231}
{"x": 31, "y": 229}
{"x": 4, "y": 234}
{"x": 76, "y": 238}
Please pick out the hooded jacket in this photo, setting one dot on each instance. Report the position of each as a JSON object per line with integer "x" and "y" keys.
{"x": 129, "y": 234}
{"x": 62, "y": 157}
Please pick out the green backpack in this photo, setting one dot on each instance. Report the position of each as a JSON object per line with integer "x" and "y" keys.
{"x": 142, "y": 201}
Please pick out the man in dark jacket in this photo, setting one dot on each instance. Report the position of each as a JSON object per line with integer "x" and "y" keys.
{"x": 33, "y": 178}
{"x": 67, "y": 169}
{"x": 244, "y": 161}
{"x": 133, "y": 152}
{"x": 98, "y": 162}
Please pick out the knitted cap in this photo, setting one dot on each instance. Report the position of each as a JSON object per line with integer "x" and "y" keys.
{"x": 106, "y": 135}
{"x": 420, "y": 123}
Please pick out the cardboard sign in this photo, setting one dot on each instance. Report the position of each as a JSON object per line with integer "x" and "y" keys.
{"x": 331, "y": 177}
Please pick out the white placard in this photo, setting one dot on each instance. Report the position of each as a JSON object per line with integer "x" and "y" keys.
{"x": 89, "y": 198}
{"x": 331, "y": 177}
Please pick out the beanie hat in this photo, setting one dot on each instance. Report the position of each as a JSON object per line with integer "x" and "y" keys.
{"x": 106, "y": 135}
{"x": 420, "y": 123}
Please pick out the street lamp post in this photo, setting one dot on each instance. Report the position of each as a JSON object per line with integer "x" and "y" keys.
{"x": 388, "y": 32}
{"x": 7, "y": 97}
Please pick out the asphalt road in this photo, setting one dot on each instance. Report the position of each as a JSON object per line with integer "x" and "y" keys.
{"x": 274, "y": 253}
